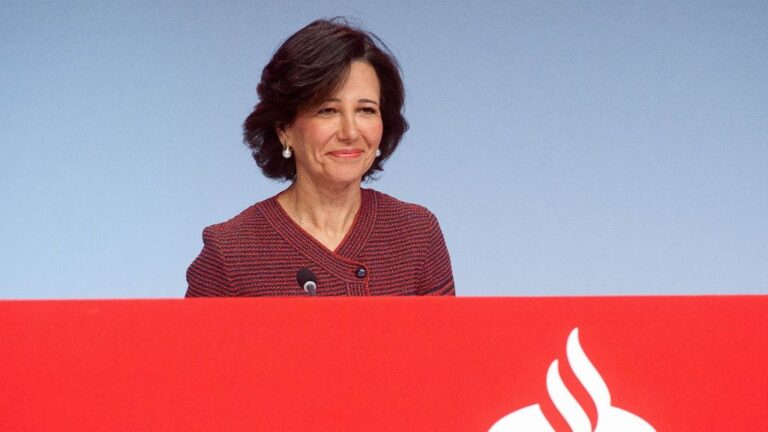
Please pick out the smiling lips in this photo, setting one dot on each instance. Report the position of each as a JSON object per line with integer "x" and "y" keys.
{"x": 346, "y": 154}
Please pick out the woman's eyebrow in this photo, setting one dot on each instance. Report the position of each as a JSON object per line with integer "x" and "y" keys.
{"x": 359, "y": 100}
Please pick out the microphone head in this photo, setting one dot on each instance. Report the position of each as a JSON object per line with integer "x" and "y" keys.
{"x": 307, "y": 280}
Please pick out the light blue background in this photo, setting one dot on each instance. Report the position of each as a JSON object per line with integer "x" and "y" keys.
{"x": 566, "y": 147}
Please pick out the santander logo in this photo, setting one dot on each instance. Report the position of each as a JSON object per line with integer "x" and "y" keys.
{"x": 609, "y": 418}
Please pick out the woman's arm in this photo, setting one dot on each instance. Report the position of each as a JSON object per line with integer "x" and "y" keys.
{"x": 437, "y": 275}
{"x": 207, "y": 275}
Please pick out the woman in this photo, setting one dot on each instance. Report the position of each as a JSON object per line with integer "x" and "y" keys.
{"x": 329, "y": 115}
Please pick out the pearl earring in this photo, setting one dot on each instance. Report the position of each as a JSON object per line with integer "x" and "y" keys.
{"x": 287, "y": 153}
{"x": 378, "y": 152}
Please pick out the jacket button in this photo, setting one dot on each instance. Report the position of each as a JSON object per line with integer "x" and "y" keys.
{"x": 360, "y": 272}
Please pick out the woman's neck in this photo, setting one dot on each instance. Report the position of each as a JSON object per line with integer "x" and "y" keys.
{"x": 326, "y": 214}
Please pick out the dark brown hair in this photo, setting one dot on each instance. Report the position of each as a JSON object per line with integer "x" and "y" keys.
{"x": 309, "y": 67}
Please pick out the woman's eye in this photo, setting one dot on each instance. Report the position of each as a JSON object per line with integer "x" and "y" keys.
{"x": 327, "y": 111}
{"x": 369, "y": 110}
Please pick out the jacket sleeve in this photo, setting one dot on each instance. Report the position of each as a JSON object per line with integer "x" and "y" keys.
{"x": 437, "y": 275}
{"x": 207, "y": 276}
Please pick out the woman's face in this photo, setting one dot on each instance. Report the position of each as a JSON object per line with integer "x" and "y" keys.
{"x": 335, "y": 142}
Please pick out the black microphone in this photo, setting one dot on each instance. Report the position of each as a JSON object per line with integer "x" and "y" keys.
{"x": 307, "y": 280}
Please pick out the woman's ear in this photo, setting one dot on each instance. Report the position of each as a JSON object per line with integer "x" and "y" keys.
{"x": 281, "y": 135}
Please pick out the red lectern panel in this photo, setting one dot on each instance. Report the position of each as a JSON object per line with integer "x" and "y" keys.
{"x": 386, "y": 364}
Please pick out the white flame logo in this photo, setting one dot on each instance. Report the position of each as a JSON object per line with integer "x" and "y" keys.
{"x": 609, "y": 418}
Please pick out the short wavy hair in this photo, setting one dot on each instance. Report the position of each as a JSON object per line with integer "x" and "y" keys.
{"x": 308, "y": 68}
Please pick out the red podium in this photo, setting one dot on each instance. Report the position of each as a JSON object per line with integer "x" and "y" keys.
{"x": 386, "y": 364}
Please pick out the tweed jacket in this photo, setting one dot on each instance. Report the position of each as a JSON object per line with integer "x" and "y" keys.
{"x": 392, "y": 248}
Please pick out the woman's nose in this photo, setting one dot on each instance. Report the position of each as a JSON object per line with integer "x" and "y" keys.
{"x": 348, "y": 128}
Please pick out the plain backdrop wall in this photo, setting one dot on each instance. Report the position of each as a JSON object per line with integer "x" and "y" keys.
{"x": 566, "y": 147}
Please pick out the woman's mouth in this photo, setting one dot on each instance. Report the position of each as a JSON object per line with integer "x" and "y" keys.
{"x": 346, "y": 154}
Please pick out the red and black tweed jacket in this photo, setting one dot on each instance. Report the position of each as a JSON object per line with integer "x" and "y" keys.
{"x": 392, "y": 248}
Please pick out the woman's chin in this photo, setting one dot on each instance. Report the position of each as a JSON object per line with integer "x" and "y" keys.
{"x": 346, "y": 174}
{"x": 341, "y": 180}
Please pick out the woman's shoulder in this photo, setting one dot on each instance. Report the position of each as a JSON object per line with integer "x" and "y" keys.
{"x": 391, "y": 207}
{"x": 248, "y": 219}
